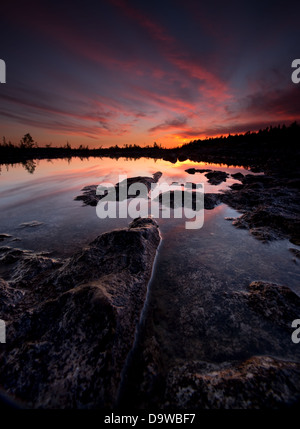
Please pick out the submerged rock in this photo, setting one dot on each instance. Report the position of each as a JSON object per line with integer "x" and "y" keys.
{"x": 237, "y": 176}
{"x": 296, "y": 252}
{"x": 274, "y": 302}
{"x": 31, "y": 224}
{"x": 189, "y": 199}
{"x": 4, "y": 237}
{"x": 74, "y": 321}
{"x": 89, "y": 196}
{"x": 216, "y": 177}
{"x": 197, "y": 170}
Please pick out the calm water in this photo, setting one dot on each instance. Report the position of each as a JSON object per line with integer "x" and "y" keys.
{"x": 47, "y": 196}
{"x": 231, "y": 255}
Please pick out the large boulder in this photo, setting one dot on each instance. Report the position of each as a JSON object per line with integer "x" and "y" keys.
{"x": 67, "y": 345}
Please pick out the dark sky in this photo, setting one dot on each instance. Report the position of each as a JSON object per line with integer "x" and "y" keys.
{"x": 114, "y": 72}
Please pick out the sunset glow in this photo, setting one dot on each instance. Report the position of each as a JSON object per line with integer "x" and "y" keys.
{"x": 117, "y": 72}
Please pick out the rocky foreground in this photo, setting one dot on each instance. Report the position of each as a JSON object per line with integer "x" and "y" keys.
{"x": 269, "y": 204}
{"x": 71, "y": 323}
{"x": 259, "y": 381}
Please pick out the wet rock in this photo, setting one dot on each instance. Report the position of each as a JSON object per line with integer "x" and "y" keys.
{"x": 212, "y": 334}
{"x": 89, "y": 196}
{"x": 9, "y": 255}
{"x": 237, "y": 176}
{"x": 269, "y": 223}
{"x": 4, "y": 237}
{"x": 274, "y": 302}
{"x": 264, "y": 234}
{"x": 255, "y": 179}
{"x": 69, "y": 341}
{"x": 197, "y": 170}
{"x": 236, "y": 186}
{"x": 148, "y": 181}
{"x": 211, "y": 201}
{"x": 22, "y": 267}
{"x": 216, "y": 177}
{"x": 9, "y": 298}
{"x": 270, "y": 209}
{"x": 119, "y": 251}
{"x": 31, "y": 224}
{"x": 258, "y": 382}
{"x": 254, "y": 382}
{"x": 189, "y": 199}
{"x": 296, "y": 252}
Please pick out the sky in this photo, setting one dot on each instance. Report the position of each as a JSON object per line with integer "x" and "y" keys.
{"x": 107, "y": 72}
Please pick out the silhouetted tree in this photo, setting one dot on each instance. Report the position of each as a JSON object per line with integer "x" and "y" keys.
{"x": 26, "y": 142}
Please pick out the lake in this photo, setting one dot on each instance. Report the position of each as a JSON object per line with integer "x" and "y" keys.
{"x": 194, "y": 269}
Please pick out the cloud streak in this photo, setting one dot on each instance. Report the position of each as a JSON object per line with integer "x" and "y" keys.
{"x": 117, "y": 72}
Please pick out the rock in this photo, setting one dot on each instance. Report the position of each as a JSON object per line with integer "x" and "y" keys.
{"x": 179, "y": 198}
{"x": 4, "y": 237}
{"x": 89, "y": 196}
{"x": 264, "y": 234}
{"x": 9, "y": 297}
{"x": 249, "y": 382}
{"x": 213, "y": 337}
{"x": 237, "y": 176}
{"x": 296, "y": 252}
{"x": 197, "y": 170}
{"x": 274, "y": 302}
{"x": 216, "y": 177}
{"x": 67, "y": 344}
{"x": 211, "y": 200}
{"x": 21, "y": 267}
{"x": 236, "y": 186}
{"x": 270, "y": 210}
{"x": 111, "y": 252}
{"x": 263, "y": 179}
{"x": 258, "y": 382}
{"x": 31, "y": 224}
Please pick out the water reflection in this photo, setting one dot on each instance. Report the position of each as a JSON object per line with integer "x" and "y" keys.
{"x": 29, "y": 165}
{"x": 47, "y": 195}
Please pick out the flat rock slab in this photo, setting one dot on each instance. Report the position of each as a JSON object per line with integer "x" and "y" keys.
{"x": 71, "y": 323}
